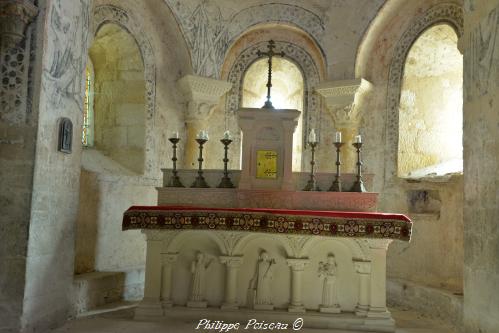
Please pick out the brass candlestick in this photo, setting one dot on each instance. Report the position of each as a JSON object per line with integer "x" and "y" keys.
{"x": 336, "y": 186}
{"x": 358, "y": 186}
{"x": 312, "y": 183}
{"x": 226, "y": 182}
{"x": 174, "y": 180}
{"x": 200, "y": 182}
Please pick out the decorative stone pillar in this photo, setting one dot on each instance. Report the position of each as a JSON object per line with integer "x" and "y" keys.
{"x": 232, "y": 265}
{"x": 377, "y": 302}
{"x": 202, "y": 95}
{"x": 344, "y": 101}
{"x": 166, "y": 279}
{"x": 297, "y": 268}
{"x": 363, "y": 269}
{"x": 15, "y": 16}
{"x": 150, "y": 304}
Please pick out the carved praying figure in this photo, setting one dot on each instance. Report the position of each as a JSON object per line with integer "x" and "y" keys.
{"x": 328, "y": 270}
{"x": 198, "y": 270}
{"x": 261, "y": 284}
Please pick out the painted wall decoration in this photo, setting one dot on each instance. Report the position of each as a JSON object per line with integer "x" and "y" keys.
{"x": 67, "y": 66}
{"x": 209, "y": 34}
{"x": 482, "y": 60}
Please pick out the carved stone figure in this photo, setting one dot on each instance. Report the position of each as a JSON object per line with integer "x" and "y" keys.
{"x": 328, "y": 270}
{"x": 198, "y": 270}
{"x": 261, "y": 284}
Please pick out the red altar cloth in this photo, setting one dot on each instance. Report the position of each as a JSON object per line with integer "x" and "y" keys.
{"x": 279, "y": 221}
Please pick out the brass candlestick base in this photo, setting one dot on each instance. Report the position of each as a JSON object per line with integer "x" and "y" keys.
{"x": 200, "y": 182}
{"x": 358, "y": 186}
{"x": 174, "y": 180}
{"x": 226, "y": 182}
{"x": 336, "y": 186}
{"x": 312, "y": 182}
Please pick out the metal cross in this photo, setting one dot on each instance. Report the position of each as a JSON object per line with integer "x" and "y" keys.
{"x": 270, "y": 54}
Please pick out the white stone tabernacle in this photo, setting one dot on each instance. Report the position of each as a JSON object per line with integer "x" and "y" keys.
{"x": 225, "y": 262}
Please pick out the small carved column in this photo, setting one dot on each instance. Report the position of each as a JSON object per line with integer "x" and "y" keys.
{"x": 232, "y": 265}
{"x": 345, "y": 101}
{"x": 15, "y": 16}
{"x": 166, "y": 281}
{"x": 363, "y": 269}
{"x": 297, "y": 268}
{"x": 150, "y": 305}
{"x": 377, "y": 301}
{"x": 202, "y": 95}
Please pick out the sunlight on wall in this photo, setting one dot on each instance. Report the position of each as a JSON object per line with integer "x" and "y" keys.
{"x": 287, "y": 93}
{"x": 431, "y": 106}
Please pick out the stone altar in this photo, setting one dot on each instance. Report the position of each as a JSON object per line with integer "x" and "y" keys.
{"x": 267, "y": 240}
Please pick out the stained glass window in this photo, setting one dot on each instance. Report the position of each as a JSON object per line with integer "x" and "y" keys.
{"x": 87, "y": 135}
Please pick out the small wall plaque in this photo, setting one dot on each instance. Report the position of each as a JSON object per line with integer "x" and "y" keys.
{"x": 65, "y": 135}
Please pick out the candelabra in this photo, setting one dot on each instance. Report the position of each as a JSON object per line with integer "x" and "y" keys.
{"x": 358, "y": 185}
{"x": 312, "y": 183}
{"x": 200, "y": 182}
{"x": 226, "y": 182}
{"x": 336, "y": 186}
{"x": 174, "y": 180}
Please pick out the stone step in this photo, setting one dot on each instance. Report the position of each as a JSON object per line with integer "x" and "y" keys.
{"x": 95, "y": 289}
{"x": 123, "y": 310}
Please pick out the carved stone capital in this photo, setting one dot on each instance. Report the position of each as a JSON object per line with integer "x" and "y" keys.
{"x": 362, "y": 266}
{"x": 297, "y": 264}
{"x": 343, "y": 99}
{"x": 169, "y": 258}
{"x": 15, "y": 15}
{"x": 202, "y": 95}
{"x": 231, "y": 261}
{"x": 379, "y": 243}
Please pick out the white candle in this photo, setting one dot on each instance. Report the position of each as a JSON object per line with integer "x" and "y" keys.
{"x": 200, "y": 135}
{"x": 227, "y": 135}
{"x": 312, "y": 138}
{"x": 205, "y": 135}
{"x": 175, "y": 135}
{"x": 338, "y": 137}
{"x": 358, "y": 139}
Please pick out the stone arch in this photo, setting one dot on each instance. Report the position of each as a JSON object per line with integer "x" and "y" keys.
{"x": 181, "y": 238}
{"x": 357, "y": 250}
{"x": 112, "y": 14}
{"x": 448, "y": 13}
{"x": 301, "y": 58}
{"x": 244, "y": 241}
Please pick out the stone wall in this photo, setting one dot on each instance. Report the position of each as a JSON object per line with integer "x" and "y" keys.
{"x": 59, "y": 92}
{"x": 435, "y": 255}
{"x": 481, "y": 165}
{"x": 18, "y": 128}
{"x": 110, "y": 184}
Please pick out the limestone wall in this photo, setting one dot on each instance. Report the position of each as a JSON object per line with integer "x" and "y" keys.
{"x": 112, "y": 179}
{"x": 481, "y": 161}
{"x": 435, "y": 255}
{"x": 58, "y": 93}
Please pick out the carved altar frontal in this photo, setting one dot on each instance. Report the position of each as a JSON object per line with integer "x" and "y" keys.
{"x": 295, "y": 246}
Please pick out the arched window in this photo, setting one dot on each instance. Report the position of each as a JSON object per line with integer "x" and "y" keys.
{"x": 87, "y": 136}
{"x": 120, "y": 97}
{"x": 431, "y": 106}
{"x": 287, "y": 93}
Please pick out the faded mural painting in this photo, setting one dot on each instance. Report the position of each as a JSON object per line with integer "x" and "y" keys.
{"x": 209, "y": 33}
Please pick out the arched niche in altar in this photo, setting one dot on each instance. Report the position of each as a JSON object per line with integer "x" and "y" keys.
{"x": 301, "y": 50}
{"x": 252, "y": 247}
{"x": 187, "y": 246}
{"x": 346, "y": 278}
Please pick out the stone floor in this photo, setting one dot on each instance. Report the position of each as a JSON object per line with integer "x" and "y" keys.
{"x": 121, "y": 321}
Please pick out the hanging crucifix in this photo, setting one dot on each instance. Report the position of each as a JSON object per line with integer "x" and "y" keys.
{"x": 270, "y": 54}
